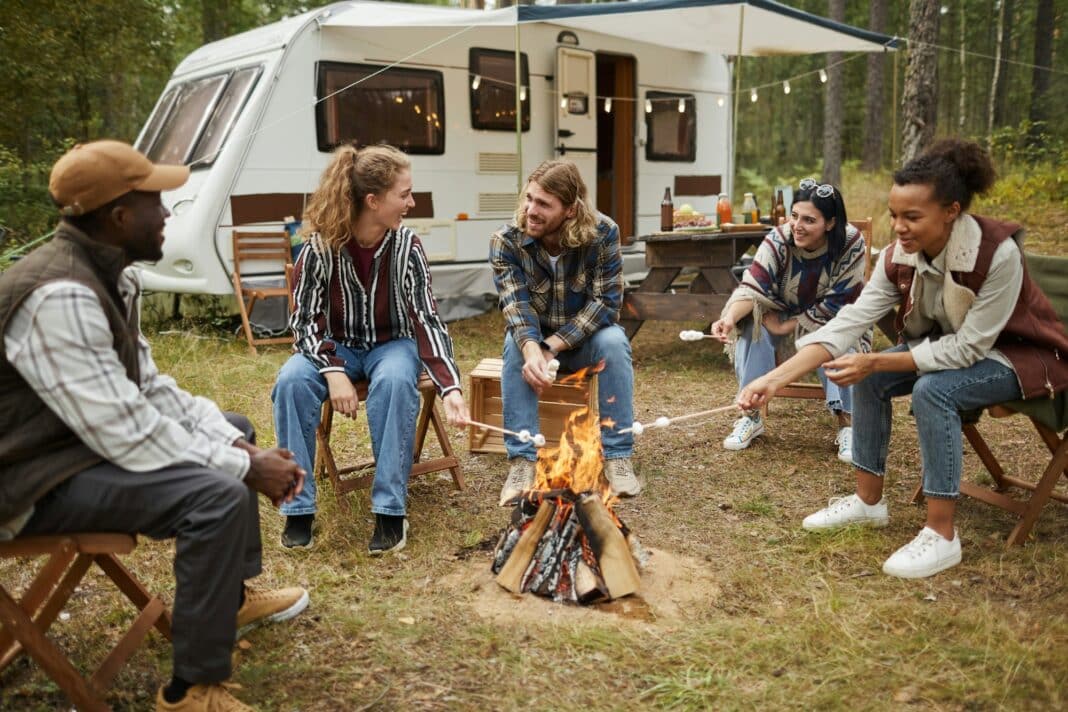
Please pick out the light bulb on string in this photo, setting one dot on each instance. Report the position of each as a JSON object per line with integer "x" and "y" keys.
{"x": 720, "y": 101}
{"x": 786, "y": 87}
{"x": 563, "y": 102}
{"x": 476, "y": 82}
{"x": 522, "y": 93}
{"x": 823, "y": 76}
{"x": 682, "y": 106}
{"x": 753, "y": 96}
{"x": 648, "y": 106}
{"x": 608, "y": 105}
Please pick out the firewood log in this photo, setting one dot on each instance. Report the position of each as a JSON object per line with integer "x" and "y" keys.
{"x": 611, "y": 549}
{"x": 513, "y": 571}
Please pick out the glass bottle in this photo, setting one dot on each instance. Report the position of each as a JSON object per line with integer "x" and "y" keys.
{"x": 778, "y": 215}
{"x": 667, "y": 212}
{"x": 750, "y": 215}
{"x": 723, "y": 209}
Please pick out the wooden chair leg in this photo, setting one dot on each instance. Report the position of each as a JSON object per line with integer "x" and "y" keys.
{"x": 133, "y": 590}
{"x": 423, "y": 424}
{"x": 48, "y": 656}
{"x": 36, "y": 594}
{"x": 446, "y": 448}
{"x": 987, "y": 457}
{"x": 244, "y": 310}
{"x": 326, "y": 455}
{"x": 1042, "y": 493}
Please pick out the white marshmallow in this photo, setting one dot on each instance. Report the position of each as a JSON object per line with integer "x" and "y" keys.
{"x": 637, "y": 428}
{"x": 662, "y": 421}
{"x": 554, "y": 367}
{"x": 539, "y": 440}
{"x": 524, "y": 436}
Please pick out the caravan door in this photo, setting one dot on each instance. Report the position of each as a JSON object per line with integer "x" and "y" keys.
{"x": 576, "y": 117}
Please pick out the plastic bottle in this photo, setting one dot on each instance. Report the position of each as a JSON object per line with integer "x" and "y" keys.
{"x": 723, "y": 209}
{"x": 750, "y": 214}
{"x": 667, "y": 212}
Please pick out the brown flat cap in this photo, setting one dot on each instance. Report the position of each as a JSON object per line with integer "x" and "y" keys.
{"x": 93, "y": 174}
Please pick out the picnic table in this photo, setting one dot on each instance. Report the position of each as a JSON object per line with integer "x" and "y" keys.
{"x": 709, "y": 251}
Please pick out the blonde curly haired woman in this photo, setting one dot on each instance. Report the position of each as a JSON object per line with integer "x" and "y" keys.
{"x": 363, "y": 310}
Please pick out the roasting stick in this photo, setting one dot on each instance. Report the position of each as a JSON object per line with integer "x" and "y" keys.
{"x": 524, "y": 435}
{"x": 663, "y": 421}
{"x": 688, "y": 335}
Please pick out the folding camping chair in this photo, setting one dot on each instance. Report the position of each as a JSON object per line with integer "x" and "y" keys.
{"x": 26, "y": 621}
{"x": 260, "y": 260}
{"x": 1049, "y": 416}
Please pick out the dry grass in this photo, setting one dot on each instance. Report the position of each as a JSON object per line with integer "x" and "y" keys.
{"x": 799, "y": 620}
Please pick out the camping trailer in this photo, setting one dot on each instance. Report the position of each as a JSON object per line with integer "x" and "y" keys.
{"x": 638, "y": 104}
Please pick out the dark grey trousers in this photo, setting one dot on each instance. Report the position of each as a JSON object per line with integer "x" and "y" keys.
{"x": 214, "y": 520}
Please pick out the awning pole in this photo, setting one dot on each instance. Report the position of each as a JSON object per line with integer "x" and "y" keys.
{"x": 737, "y": 94}
{"x": 518, "y": 115}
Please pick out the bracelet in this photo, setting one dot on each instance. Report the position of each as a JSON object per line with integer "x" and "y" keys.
{"x": 545, "y": 347}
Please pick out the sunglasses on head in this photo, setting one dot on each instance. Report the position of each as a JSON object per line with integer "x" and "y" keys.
{"x": 823, "y": 190}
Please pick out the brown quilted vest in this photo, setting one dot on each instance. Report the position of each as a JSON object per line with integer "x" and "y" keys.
{"x": 37, "y": 450}
{"x": 1034, "y": 339}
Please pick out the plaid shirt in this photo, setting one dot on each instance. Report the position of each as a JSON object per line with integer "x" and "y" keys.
{"x": 332, "y": 306}
{"x": 60, "y": 343}
{"x": 573, "y": 299}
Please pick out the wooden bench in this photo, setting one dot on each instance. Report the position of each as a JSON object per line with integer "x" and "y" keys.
{"x": 26, "y": 621}
{"x": 554, "y": 405}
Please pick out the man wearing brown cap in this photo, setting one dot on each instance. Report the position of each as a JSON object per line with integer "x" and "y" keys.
{"x": 94, "y": 439}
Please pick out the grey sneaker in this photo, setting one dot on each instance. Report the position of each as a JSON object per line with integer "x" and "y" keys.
{"x": 621, "y": 477}
{"x": 520, "y": 479}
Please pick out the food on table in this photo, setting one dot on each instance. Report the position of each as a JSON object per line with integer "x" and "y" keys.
{"x": 686, "y": 216}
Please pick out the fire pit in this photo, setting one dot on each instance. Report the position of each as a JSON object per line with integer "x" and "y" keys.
{"x": 564, "y": 541}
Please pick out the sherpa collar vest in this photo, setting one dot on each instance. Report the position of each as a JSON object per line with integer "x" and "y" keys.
{"x": 37, "y": 450}
{"x": 1033, "y": 340}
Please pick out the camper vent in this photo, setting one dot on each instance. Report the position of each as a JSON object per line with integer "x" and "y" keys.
{"x": 498, "y": 163}
{"x": 496, "y": 203}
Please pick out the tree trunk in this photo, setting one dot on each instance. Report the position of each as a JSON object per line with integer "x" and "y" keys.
{"x": 962, "y": 109}
{"x": 1001, "y": 104}
{"x": 920, "y": 99}
{"x": 1040, "y": 74}
{"x": 995, "y": 80}
{"x": 833, "y": 106}
{"x": 874, "y": 104}
{"x": 214, "y": 19}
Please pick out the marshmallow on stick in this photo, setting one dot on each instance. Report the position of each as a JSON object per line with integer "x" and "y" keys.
{"x": 554, "y": 368}
{"x": 689, "y": 335}
{"x": 663, "y": 421}
{"x": 525, "y": 436}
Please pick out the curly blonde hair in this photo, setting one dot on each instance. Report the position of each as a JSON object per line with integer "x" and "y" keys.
{"x": 353, "y": 174}
{"x": 563, "y": 180}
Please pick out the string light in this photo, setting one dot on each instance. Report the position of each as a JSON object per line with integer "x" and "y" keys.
{"x": 753, "y": 96}
{"x": 720, "y": 101}
{"x": 563, "y": 102}
{"x": 523, "y": 93}
{"x": 823, "y": 76}
{"x": 476, "y": 82}
{"x": 648, "y": 106}
{"x": 682, "y": 106}
{"x": 608, "y": 105}
{"x": 786, "y": 87}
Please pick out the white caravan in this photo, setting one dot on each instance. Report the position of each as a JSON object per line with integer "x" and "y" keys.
{"x": 638, "y": 103}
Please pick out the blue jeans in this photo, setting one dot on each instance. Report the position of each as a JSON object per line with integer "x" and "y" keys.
{"x": 392, "y": 408}
{"x": 937, "y": 400}
{"x": 615, "y": 391}
{"x": 753, "y": 359}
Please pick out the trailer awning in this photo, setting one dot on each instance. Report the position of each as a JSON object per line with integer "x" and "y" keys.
{"x": 769, "y": 28}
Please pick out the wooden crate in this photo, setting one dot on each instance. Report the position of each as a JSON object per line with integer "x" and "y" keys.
{"x": 555, "y": 404}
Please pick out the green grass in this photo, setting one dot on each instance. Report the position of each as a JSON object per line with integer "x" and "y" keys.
{"x": 792, "y": 620}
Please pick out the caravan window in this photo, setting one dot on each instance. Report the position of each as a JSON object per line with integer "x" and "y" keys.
{"x": 671, "y": 134}
{"x": 193, "y": 119}
{"x": 400, "y": 106}
{"x": 493, "y": 89}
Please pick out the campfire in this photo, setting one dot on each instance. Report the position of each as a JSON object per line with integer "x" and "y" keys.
{"x": 564, "y": 541}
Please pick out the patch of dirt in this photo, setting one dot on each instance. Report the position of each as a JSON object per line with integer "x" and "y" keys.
{"x": 673, "y": 586}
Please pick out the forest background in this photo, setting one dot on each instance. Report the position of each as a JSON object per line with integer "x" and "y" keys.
{"x": 993, "y": 70}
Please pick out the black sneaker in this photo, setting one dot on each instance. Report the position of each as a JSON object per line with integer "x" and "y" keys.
{"x": 298, "y": 531}
{"x": 391, "y": 534}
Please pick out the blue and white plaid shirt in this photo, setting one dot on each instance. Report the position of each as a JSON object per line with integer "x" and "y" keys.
{"x": 572, "y": 299}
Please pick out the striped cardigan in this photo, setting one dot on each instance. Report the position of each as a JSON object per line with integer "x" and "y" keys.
{"x": 332, "y": 306}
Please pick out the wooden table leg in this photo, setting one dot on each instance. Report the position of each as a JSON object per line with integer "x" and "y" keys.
{"x": 657, "y": 281}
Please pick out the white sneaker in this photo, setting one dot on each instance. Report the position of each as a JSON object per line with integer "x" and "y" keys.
{"x": 621, "y": 477}
{"x": 745, "y": 429}
{"x": 520, "y": 479}
{"x": 924, "y": 556}
{"x": 845, "y": 444}
{"x": 841, "y": 511}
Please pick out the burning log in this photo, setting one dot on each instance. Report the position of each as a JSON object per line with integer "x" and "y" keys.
{"x": 609, "y": 546}
{"x": 513, "y": 570}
